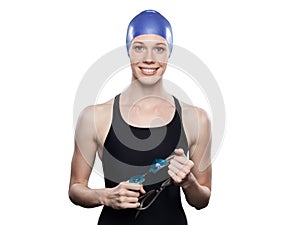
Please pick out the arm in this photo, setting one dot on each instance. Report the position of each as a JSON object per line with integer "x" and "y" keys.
{"x": 194, "y": 174}
{"x": 85, "y": 149}
{"x": 125, "y": 195}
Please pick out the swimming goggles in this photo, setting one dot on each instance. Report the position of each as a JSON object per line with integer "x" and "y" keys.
{"x": 156, "y": 166}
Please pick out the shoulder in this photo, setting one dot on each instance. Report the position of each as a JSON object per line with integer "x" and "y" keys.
{"x": 196, "y": 121}
{"x": 96, "y": 112}
{"x": 104, "y": 110}
{"x": 191, "y": 112}
{"x": 96, "y": 119}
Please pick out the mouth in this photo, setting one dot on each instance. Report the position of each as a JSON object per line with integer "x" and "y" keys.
{"x": 148, "y": 71}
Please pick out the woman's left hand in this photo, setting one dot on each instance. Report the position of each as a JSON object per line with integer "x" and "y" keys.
{"x": 180, "y": 167}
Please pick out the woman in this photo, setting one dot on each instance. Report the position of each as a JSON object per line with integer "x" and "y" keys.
{"x": 142, "y": 125}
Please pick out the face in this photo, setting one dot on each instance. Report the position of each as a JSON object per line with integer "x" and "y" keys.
{"x": 148, "y": 56}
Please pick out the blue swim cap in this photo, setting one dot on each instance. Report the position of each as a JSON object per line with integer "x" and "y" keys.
{"x": 149, "y": 22}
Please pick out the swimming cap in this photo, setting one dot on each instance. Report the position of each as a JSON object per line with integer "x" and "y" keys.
{"x": 149, "y": 22}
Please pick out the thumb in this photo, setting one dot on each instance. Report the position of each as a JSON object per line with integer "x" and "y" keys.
{"x": 179, "y": 151}
{"x": 142, "y": 190}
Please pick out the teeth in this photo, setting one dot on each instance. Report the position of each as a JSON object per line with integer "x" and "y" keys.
{"x": 149, "y": 70}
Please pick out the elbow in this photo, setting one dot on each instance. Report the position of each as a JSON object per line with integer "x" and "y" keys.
{"x": 71, "y": 197}
{"x": 80, "y": 199}
{"x": 77, "y": 203}
{"x": 203, "y": 204}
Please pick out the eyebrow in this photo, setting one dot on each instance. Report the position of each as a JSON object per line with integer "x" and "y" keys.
{"x": 140, "y": 42}
{"x": 137, "y": 42}
{"x": 161, "y": 43}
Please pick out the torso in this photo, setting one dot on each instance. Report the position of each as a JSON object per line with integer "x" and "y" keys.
{"x": 159, "y": 115}
{"x": 130, "y": 145}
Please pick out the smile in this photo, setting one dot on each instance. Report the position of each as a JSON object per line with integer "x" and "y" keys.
{"x": 148, "y": 71}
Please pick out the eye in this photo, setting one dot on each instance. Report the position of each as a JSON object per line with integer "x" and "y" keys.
{"x": 160, "y": 49}
{"x": 139, "y": 48}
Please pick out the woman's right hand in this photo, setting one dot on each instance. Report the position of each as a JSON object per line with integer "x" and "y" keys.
{"x": 124, "y": 195}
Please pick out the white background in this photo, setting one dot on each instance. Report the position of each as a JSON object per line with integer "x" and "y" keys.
{"x": 251, "y": 47}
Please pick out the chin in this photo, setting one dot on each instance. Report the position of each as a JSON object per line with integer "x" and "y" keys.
{"x": 148, "y": 80}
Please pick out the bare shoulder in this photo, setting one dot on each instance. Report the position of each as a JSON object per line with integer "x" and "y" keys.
{"x": 103, "y": 117}
{"x": 195, "y": 121}
{"x": 191, "y": 112}
{"x": 103, "y": 111}
{"x": 97, "y": 118}
{"x": 93, "y": 113}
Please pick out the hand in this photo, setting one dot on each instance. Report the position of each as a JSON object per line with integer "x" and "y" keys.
{"x": 125, "y": 195}
{"x": 180, "y": 167}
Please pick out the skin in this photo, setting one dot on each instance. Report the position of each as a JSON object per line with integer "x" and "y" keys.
{"x": 145, "y": 103}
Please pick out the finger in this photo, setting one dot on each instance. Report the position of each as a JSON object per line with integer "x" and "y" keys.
{"x": 175, "y": 178}
{"x": 123, "y": 200}
{"x": 172, "y": 174}
{"x": 130, "y": 193}
{"x": 126, "y": 205}
{"x": 131, "y": 186}
{"x": 181, "y": 174}
{"x": 189, "y": 164}
{"x": 176, "y": 166}
{"x": 183, "y": 161}
{"x": 181, "y": 171}
{"x": 175, "y": 163}
{"x": 180, "y": 156}
{"x": 142, "y": 190}
{"x": 173, "y": 168}
{"x": 131, "y": 199}
{"x": 123, "y": 191}
{"x": 179, "y": 151}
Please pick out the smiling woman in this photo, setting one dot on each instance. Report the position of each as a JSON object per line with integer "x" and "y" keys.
{"x": 148, "y": 55}
{"x": 143, "y": 127}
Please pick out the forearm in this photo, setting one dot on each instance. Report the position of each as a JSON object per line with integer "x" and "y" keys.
{"x": 86, "y": 197}
{"x": 196, "y": 195}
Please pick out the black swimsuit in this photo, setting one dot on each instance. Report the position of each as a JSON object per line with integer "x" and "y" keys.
{"x": 129, "y": 151}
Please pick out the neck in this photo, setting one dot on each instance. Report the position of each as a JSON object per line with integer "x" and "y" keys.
{"x": 138, "y": 90}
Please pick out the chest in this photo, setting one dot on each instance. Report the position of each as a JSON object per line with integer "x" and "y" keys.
{"x": 154, "y": 116}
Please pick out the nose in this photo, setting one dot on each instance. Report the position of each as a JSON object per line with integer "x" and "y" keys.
{"x": 149, "y": 57}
